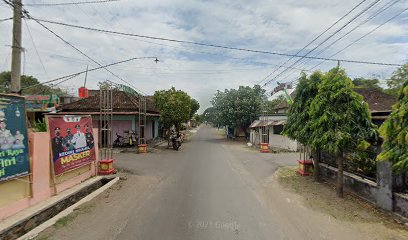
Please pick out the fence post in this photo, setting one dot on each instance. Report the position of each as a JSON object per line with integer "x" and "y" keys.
{"x": 384, "y": 185}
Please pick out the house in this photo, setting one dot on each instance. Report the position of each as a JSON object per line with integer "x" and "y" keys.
{"x": 379, "y": 103}
{"x": 39, "y": 105}
{"x": 269, "y": 129}
{"x": 125, "y": 113}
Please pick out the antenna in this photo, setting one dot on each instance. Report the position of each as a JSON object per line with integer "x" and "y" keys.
{"x": 86, "y": 75}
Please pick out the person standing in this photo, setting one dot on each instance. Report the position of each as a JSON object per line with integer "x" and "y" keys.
{"x": 79, "y": 138}
{"x": 57, "y": 143}
{"x": 89, "y": 137}
{"x": 68, "y": 140}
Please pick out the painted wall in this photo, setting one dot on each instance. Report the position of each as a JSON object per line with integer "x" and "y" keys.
{"x": 280, "y": 141}
{"x": 123, "y": 123}
{"x": 18, "y": 190}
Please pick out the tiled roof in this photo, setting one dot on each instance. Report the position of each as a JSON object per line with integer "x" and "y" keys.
{"x": 376, "y": 99}
{"x": 122, "y": 102}
{"x": 260, "y": 123}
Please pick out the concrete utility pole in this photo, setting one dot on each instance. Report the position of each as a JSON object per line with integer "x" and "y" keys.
{"x": 16, "y": 46}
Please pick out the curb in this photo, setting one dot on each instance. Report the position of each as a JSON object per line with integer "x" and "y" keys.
{"x": 33, "y": 233}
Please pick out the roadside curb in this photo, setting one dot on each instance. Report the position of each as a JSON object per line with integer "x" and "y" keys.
{"x": 33, "y": 233}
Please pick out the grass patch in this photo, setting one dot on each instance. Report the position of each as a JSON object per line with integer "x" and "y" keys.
{"x": 43, "y": 238}
{"x": 62, "y": 222}
{"x": 322, "y": 197}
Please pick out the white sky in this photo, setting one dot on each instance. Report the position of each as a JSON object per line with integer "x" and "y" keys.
{"x": 281, "y": 26}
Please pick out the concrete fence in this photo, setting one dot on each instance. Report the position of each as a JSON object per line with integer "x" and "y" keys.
{"x": 20, "y": 193}
{"x": 379, "y": 193}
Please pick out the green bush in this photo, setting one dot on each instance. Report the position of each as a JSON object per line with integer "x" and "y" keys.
{"x": 40, "y": 126}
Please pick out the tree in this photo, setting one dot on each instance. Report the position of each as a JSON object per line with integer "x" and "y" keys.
{"x": 270, "y": 105}
{"x": 195, "y": 105}
{"x": 210, "y": 115}
{"x": 395, "y": 133}
{"x": 26, "y": 81}
{"x": 174, "y": 106}
{"x": 239, "y": 107}
{"x": 367, "y": 83}
{"x": 198, "y": 118}
{"x": 298, "y": 125}
{"x": 340, "y": 119}
{"x": 397, "y": 80}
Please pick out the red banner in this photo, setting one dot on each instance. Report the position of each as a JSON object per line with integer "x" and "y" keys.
{"x": 72, "y": 141}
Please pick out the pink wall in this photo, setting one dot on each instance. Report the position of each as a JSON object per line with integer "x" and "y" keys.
{"x": 41, "y": 182}
{"x": 119, "y": 126}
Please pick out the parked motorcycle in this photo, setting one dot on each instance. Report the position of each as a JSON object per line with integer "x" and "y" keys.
{"x": 176, "y": 141}
{"x": 119, "y": 141}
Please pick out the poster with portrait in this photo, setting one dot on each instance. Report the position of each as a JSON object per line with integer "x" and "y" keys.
{"x": 72, "y": 142}
{"x": 14, "y": 157}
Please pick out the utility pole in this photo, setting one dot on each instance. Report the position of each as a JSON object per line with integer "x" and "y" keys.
{"x": 16, "y": 46}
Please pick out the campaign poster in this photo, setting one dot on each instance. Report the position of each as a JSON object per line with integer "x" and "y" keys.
{"x": 72, "y": 142}
{"x": 14, "y": 157}
{"x": 41, "y": 103}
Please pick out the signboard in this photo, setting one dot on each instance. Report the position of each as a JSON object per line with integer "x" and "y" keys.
{"x": 41, "y": 103}
{"x": 14, "y": 158}
{"x": 72, "y": 142}
{"x": 281, "y": 87}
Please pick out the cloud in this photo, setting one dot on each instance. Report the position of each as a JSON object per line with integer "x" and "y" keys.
{"x": 282, "y": 26}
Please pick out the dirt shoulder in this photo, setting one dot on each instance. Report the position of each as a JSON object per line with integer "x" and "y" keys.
{"x": 321, "y": 197}
{"x": 105, "y": 216}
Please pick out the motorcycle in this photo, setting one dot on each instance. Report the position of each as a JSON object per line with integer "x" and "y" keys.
{"x": 119, "y": 141}
{"x": 176, "y": 141}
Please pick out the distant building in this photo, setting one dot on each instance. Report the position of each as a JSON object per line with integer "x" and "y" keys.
{"x": 272, "y": 125}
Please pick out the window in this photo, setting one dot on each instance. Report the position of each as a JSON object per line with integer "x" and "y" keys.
{"x": 277, "y": 129}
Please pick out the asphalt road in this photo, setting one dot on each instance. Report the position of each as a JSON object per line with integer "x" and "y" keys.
{"x": 204, "y": 198}
{"x": 212, "y": 189}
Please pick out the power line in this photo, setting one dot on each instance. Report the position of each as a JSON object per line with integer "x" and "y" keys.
{"x": 66, "y": 4}
{"x": 326, "y": 39}
{"x": 373, "y": 15}
{"x": 295, "y": 81}
{"x": 82, "y": 53}
{"x": 213, "y": 45}
{"x": 36, "y": 50}
{"x": 365, "y": 35}
{"x": 317, "y": 37}
{"x": 5, "y": 19}
{"x": 53, "y": 85}
{"x": 370, "y": 17}
{"x": 89, "y": 70}
{"x": 359, "y": 25}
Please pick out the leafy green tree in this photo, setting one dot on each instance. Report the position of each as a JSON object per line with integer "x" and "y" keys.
{"x": 340, "y": 120}
{"x": 239, "y": 107}
{"x": 270, "y": 105}
{"x": 367, "y": 83}
{"x": 210, "y": 115}
{"x": 298, "y": 125}
{"x": 198, "y": 118}
{"x": 195, "y": 105}
{"x": 174, "y": 106}
{"x": 397, "y": 79}
{"x": 26, "y": 81}
{"x": 395, "y": 133}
